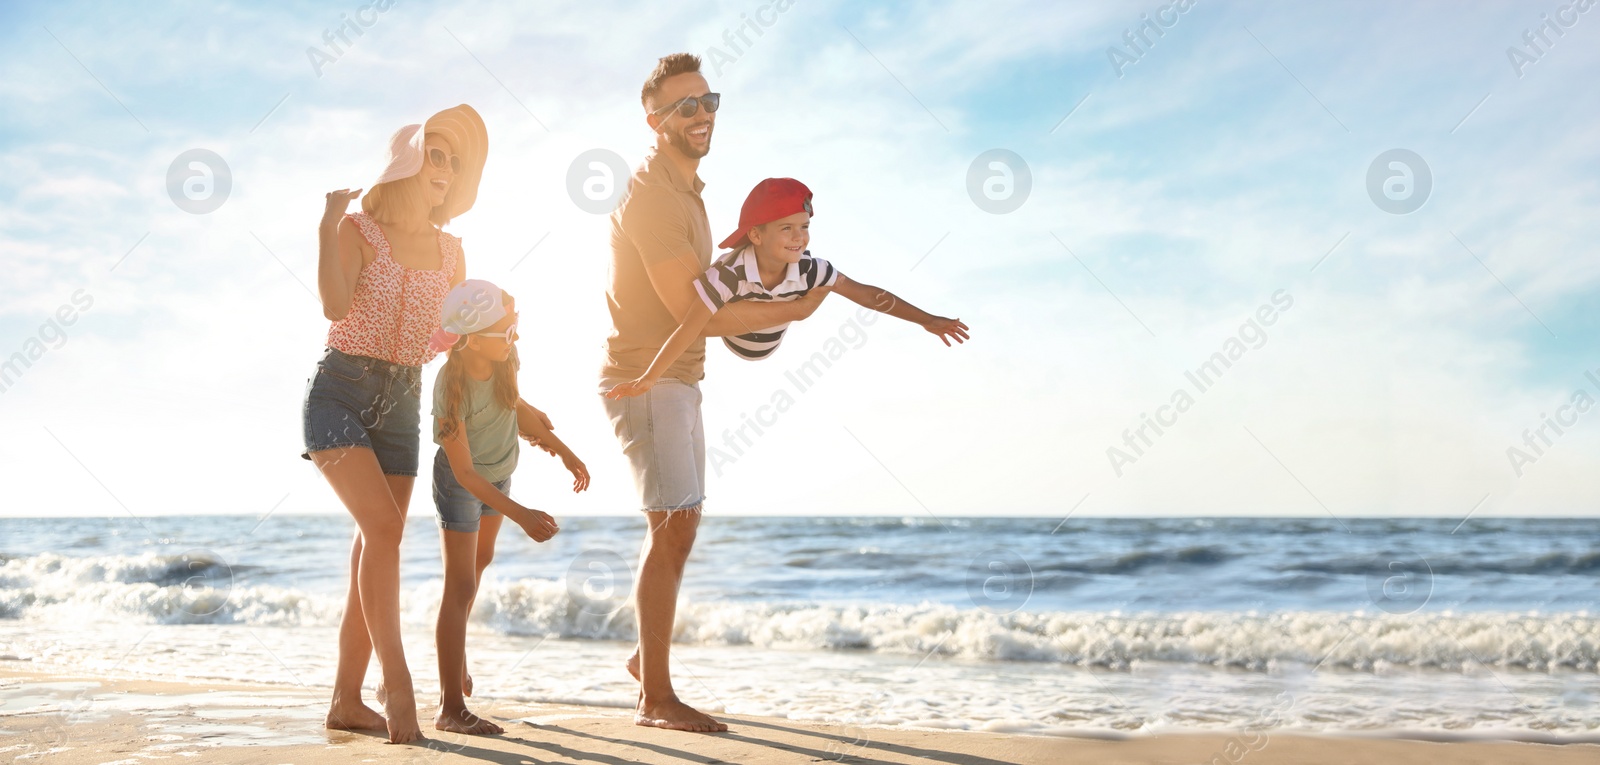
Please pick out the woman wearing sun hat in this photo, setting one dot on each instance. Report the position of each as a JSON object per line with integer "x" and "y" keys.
{"x": 382, "y": 275}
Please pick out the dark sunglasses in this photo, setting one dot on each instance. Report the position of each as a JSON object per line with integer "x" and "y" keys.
{"x": 438, "y": 158}
{"x": 689, "y": 106}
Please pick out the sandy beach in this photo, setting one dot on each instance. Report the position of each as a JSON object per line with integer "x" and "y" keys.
{"x": 61, "y": 718}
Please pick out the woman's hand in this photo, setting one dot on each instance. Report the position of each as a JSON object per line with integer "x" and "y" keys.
{"x": 947, "y": 329}
{"x": 338, "y": 202}
{"x": 533, "y": 438}
{"x": 544, "y": 419}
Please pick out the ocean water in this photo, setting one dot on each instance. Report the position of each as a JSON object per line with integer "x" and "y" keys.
{"x": 1430, "y": 628}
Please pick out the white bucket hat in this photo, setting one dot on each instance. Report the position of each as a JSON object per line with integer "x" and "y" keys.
{"x": 471, "y": 306}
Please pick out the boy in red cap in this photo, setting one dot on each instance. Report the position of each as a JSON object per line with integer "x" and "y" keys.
{"x": 768, "y": 260}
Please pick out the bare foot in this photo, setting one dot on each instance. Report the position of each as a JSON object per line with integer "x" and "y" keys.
{"x": 401, "y": 709}
{"x": 466, "y": 682}
{"x": 676, "y": 715}
{"x": 464, "y": 721}
{"x": 354, "y": 716}
{"x": 382, "y": 695}
{"x": 633, "y": 669}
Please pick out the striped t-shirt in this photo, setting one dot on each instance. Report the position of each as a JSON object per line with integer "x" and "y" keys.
{"x": 734, "y": 276}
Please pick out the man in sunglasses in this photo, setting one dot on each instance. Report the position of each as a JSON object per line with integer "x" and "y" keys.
{"x": 660, "y": 242}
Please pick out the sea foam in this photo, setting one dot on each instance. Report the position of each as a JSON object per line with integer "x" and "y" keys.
{"x": 167, "y": 589}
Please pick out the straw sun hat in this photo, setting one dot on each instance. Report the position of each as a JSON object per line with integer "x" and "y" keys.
{"x": 464, "y": 129}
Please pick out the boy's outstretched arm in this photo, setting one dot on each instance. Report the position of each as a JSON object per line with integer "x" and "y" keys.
{"x": 533, "y": 425}
{"x": 682, "y": 337}
{"x": 539, "y": 525}
{"x": 884, "y": 301}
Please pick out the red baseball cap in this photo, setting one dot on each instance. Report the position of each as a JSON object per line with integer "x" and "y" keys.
{"x": 770, "y": 200}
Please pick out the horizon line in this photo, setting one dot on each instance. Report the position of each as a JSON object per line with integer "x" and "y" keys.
{"x": 624, "y": 514}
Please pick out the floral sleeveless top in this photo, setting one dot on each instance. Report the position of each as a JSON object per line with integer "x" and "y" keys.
{"x": 395, "y": 309}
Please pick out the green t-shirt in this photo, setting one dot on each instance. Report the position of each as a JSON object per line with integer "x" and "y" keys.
{"x": 491, "y": 428}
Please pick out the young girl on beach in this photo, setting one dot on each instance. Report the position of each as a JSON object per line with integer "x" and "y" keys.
{"x": 475, "y": 424}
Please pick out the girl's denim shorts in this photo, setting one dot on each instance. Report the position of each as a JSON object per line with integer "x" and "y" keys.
{"x": 455, "y": 507}
{"x": 358, "y": 401}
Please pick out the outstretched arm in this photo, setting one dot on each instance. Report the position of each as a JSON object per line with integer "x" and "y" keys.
{"x": 539, "y": 525}
{"x": 533, "y": 425}
{"x": 884, "y": 301}
{"x": 689, "y": 331}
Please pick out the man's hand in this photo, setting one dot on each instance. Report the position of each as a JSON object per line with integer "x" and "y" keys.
{"x": 808, "y": 303}
{"x": 947, "y": 329}
{"x": 631, "y": 388}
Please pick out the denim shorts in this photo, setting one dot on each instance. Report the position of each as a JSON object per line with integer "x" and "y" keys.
{"x": 357, "y": 401}
{"x": 456, "y": 508}
{"x": 665, "y": 442}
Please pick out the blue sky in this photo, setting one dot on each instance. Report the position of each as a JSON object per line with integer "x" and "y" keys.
{"x": 1215, "y": 171}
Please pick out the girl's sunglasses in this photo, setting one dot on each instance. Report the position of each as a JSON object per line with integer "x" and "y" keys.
{"x": 509, "y": 335}
{"x": 689, "y": 106}
{"x": 439, "y": 159}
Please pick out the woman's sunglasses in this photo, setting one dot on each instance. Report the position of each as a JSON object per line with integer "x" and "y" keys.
{"x": 439, "y": 159}
{"x": 689, "y": 106}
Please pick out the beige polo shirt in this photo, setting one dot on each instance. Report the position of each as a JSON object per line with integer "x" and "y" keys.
{"x": 661, "y": 217}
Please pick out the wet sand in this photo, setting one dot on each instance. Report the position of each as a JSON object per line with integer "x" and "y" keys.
{"x": 47, "y": 717}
